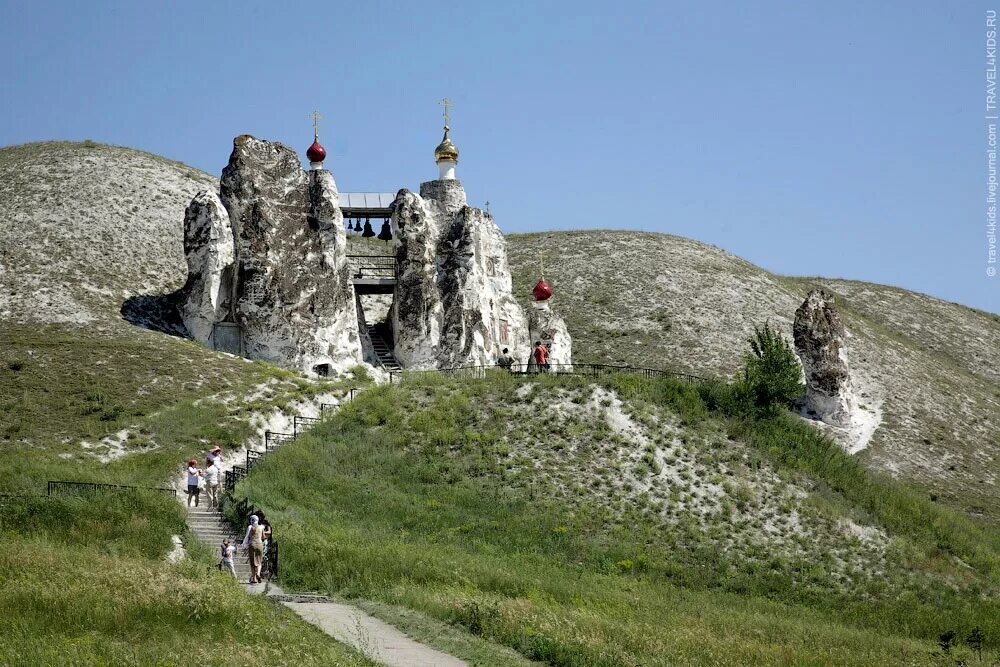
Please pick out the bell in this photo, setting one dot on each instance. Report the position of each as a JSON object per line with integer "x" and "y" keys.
{"x": 347, "y": 221}
{"x": 369, "y": 232}
{"x": 357, "y": 225}
{"x": 385, "y": 234}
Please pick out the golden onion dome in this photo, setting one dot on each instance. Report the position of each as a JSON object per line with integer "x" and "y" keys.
{"x": 446, "y": 151}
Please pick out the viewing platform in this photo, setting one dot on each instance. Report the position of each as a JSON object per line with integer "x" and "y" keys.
{"x": 373, "y": 274}
{"x": 367, "y": 205}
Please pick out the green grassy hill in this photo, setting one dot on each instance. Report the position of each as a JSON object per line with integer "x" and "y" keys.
{"x": 640, "y": 522}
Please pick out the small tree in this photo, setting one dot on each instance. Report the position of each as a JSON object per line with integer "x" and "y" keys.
{"x": 771, "y": 375}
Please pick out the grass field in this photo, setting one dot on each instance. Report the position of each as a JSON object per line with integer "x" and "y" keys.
{"x": 416, "y": 496}
{"x": 83, "y": 581}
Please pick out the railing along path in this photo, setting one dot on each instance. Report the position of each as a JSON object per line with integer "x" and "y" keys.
{"x": 595, "y": 371}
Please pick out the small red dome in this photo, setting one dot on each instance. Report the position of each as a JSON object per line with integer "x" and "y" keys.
{"x": 316, "y": 152}
{"x": 542, "y": 290}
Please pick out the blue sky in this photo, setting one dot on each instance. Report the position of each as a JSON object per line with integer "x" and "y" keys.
{"x": 844, "y": 139}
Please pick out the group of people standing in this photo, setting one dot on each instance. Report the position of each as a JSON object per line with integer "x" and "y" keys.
{"x": 212, "y": 476}
{"x": 538, "y": 361}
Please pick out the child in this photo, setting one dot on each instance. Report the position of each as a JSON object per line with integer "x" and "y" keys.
{"x": 227, "y": 557}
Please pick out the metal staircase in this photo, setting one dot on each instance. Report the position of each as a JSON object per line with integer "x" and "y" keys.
{"x": 382, "y": 350}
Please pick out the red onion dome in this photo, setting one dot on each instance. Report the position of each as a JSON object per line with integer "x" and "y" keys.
{"x": 542, "y": 290}
{"x": 316, "y": 152}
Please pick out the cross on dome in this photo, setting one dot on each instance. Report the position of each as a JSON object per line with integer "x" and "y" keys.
{"x": 446, "y": 154}
{"x": 316, "y": 153}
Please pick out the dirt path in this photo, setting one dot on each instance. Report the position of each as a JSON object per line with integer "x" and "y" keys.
{"x": 376, "y": 639}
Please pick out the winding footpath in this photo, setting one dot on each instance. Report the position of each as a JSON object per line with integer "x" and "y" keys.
{"x": 347, "y": 624}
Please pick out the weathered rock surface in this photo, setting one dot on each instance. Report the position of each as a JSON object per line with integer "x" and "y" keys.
{"x": 208, "y": 247}
{"x": 416, "y": 309}
{"x": 820, "y": 340}
{"x": 291, "y": 289}
{"x": 547, "y": 326}
{"x": 453, "y": 303}
{"x": 480, "y": 314}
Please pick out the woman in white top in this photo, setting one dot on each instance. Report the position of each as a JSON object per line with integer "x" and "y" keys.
{"x": 193, "y": 480}
{"x": 211, "y": 475}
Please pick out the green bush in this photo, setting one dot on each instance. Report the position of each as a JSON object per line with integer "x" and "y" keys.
{"x": 771, "y": 375}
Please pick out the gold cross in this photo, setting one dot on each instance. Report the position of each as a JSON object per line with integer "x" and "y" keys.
{"x": 447, "y": 104}
{"x": 316, "y": 118}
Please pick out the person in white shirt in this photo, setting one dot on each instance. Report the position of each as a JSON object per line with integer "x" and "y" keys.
{"x": 194, "y": 474}
{"x": 228, "y": 550}
{"x": 211, "y": 475}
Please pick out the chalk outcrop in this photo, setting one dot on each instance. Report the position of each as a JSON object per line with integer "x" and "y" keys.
{"x": 453, "y": 303}
{"x": 208, "y": 247}
{"x": 820, "y": 341}
{"x": 547, "y": 326}
{"x": 268, "y": 257}
{"x": 290, "y": 289}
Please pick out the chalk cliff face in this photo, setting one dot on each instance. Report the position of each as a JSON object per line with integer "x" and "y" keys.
{"x": 208, "y": 247}
{"x": 291, "y": 290}
{"x": 547, "y": 326}
{"x": 416, "y": 308}
{"x": 453, "y": 303}
{"x": 480, "y": 315}
{"x": 820, "y": 341}
{"x": 269, "y": 253}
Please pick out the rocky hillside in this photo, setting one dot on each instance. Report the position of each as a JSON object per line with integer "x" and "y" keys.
{"x": 88, "y": 226}
{"x": 922, "y": 366}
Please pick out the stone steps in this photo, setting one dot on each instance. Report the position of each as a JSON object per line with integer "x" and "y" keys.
{"x": 208, "y": 526}
{"x": 382, "y": 351}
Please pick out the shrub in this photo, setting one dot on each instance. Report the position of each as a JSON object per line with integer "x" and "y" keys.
{"x": 771, "y": 375}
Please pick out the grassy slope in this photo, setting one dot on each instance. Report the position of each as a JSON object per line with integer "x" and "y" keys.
{"x": 668, "y": 302}
{"x": 83, "y": 582}
{"x": 421, "y": 496}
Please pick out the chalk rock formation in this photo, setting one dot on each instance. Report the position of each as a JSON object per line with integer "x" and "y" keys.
{"x": 291, "y": 289}
{"x": 546, "y": 325}
{"x": 208, "y": 247}
{"x": 820, "y": 343}
{"x": 453, "y": 302}
{"x": 416, "y": 306}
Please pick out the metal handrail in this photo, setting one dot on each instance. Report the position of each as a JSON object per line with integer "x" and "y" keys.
{"x": 531, "y": 370}
{"x": 274, "y": 439}
{"x": 372, "y": 266}
{"x": 305, "y": 421}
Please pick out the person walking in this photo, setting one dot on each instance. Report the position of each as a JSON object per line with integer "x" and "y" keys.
{"x": 228, "y": 551}
{"x": 255, "y": 539}
{"x": 541, "y": 357}
{"x": 194, "y": 479}
{"x": 211, "y": 475}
